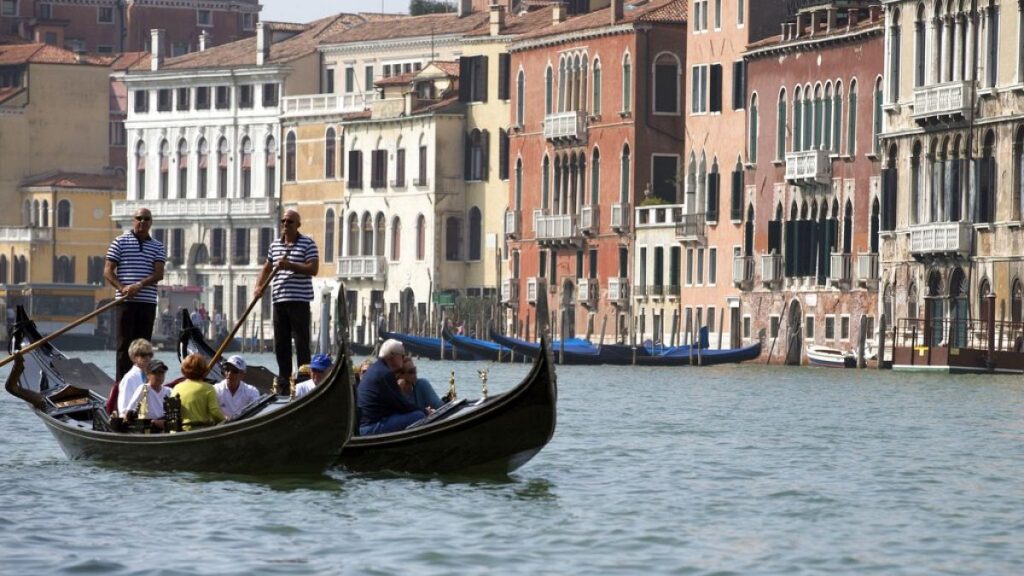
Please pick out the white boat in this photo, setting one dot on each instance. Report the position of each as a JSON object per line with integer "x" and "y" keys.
{"x": 830, "y": 357}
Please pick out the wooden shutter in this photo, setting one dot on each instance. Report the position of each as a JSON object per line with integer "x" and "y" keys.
{"x": 485, "y": 154}
{"x": 775, "y": 236}
{"x": 736, "y": 197}
{"x": 467, "y": 158}
{"x": 504, "y": 80}
{"x": 713, "y": 188}
{"x": 715, "y": 92}
{"x": 503, "y": 154}
{"x": 790, "y": 254}
{"x": 465, "y": 77}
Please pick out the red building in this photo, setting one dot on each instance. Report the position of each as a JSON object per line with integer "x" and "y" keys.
{"x": 810, "y": 228}
{"x": 109, "y": 26}
{"x": 594, "y": 98}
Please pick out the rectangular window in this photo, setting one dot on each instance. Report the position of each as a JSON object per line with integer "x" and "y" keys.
{"x": 689, "y": 266}
{"x": 240, "y": 246}
{"x": 844, "y": 327}
{"x": 177, "y": 251}
{"x": 739, "y": 85}
{"x": 711, "y": 319}
{"x": 593, "y": 263}
{"x": 400, "y": 168}
{"x": 675, "y": 259}
{"x": 179, "y": 49}
{"x": 118, "y": 134}
{"x": 746, "y": 327}
{"x": 105, "y": 15}
{"x": 104, "y": 49}
{"x": 664, "y": 178}
{"x": 712, "y": 266}
{"x": 270, "y": 97}
{"x": 809, "y": 327}
{"x": 773, "y": 326}
{"x": 700, "y": 266}
{"x": 368, "y": 78}
{"x": 830, "y": 327}
{"x": 241, "y": 300}
{"x": 718, "y": 14}
{"x": 378, "y": 169}
{"x": 473, "y": 79}
{"x": 248, "y": 21}
{"x": 204, "y": 18}
{"x": 579, "y": 264}
{"x": 350, "y": 80}
{"x": 163, "y": 100}
{"x": 355, "y": 169}
{"x": 641, "y": 272}
{"x": 740, "y": 16}
{"x": 992, "y": 65}
{"x": 699, "y": 89}
{"x": 45, "y": 11}
{"x": 203, "y": 98}
{"x": 184, "y": 99}
{"x": 666, "y": 87}
{"x": 9, "y": 8}
{"x": 421, "y": 178}
{"x": 266, "y": 237}
{"x": 329, "y": 81}
{"x": 223, "y": 97}
{"x": 542, "y": 264}
{"x": 504, "y": 76}
{"x": 246, "y": 99}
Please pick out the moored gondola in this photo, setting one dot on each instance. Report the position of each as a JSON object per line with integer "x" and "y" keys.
{"x": 423, "y": 346}
{"x": 273, "y": 436}
{"x": 467, "y": 347}
{"x": 569, "y": 354}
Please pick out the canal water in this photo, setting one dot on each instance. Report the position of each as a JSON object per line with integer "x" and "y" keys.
{"x": 723, "y": 470}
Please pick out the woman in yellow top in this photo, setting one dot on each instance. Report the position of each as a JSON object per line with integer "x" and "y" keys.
{"x": 199, "y": 406}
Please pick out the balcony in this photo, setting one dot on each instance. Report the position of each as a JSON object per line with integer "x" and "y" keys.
{"x": 570, "y": 125}
{"x": 587, "y": 291}
{"x": 620, "y": 217}
{"x": 743, "y": 271}
{"x": 950, "y": 100}
{"x": 590, "y": 219}
{"x": 554, "y": 229}
{"x": 361, "y": 267}
{"x": 672, "y": 291}
{"x": 808, "y": 168}
{"x": 618, "y": 290}
{"x": 842, "y": 269}
{"x": 513, "y": 224}
{"x": 941, "y": 238}
{"x": 321, "y": 104}
{"x": 640, "y": 291}
{"x": 534, "y": 286}
{"x": 25, "y": 234}
{"x": 192, "y": 209}
{"x": 771, "y": 269}
{"x": 510, "y": 291}
{"x": 692, "y": 228}
{"x": 867, "y": 269}
{"x": 656, "y": 291}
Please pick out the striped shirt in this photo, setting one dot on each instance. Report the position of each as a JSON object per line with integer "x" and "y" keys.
{"x": 135, "y": 262}
{"x": 288, "y": 285}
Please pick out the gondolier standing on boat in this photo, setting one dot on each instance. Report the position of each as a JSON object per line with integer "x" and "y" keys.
{"x": 135, "y": 265}
{"x": 297, "y": 260}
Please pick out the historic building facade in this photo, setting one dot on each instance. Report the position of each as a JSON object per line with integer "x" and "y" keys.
{"x": 808, "y": 265}
{"x": 597, "y": 104}
{"x": 952, "y": 151}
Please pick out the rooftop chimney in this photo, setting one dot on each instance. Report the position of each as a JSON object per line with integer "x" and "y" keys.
{"x": 875, "y": 11}
{"x": 497, "y": 14}
{"x": 851, "y": 18}
{"x": 785, "y": 32}
{"x": 558, "y": 13}
{"x": 830, "y": 19}
{"x": 156, "y": 49}
{"x": 204, "y": 40}
{"x": 465, "y": 8}
{"x": 263, "y": 42}
{"x": 616, "y": 11}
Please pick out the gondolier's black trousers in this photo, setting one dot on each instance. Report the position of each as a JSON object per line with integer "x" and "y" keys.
{"x": 291, "y": 321}
{"x": 135, "y": 320}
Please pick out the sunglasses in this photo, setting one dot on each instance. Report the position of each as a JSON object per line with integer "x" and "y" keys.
{"x": 143, "y": 218}
{"x": 287, "y": 221}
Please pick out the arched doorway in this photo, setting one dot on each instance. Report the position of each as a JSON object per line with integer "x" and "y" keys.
{"x": 794, "y": 334}
{"x": 569, "y": 306}
{"x": 408, "y": 314}
{"x": 935, "y": 314}
{"x": 958, "y": 314}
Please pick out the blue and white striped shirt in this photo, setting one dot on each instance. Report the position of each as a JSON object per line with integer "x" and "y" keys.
{"x": 135, "y": 262}
{"x": 288, "y": 285}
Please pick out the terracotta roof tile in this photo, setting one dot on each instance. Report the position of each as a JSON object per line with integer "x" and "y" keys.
{"x": 667, "y": 11}
{"x": 450, "y": 68}
{"x": 776, "y": 40}
{"x": 13, "y": 54}
{"x": 76, "y": 180}
{"x": 413, "y": 26}
{"x": 399, "y": 80}
{"x": 516, "y": 24}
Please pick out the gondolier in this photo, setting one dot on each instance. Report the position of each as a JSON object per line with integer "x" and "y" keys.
{"x": 296, "y": 260}
{"x": 135, "y": 264}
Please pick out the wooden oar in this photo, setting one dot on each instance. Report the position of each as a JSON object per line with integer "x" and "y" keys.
{"x": 63, "y": 330}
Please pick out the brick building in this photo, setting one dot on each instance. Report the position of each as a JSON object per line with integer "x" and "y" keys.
{"x": 596, "y": 100}
{"x": 809, "y": 260}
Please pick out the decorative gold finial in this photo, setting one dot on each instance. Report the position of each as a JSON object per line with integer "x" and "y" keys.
{"x": 451, "y": 387}
{"x": 483, "y": 382}
{"x": 291, "y": 388}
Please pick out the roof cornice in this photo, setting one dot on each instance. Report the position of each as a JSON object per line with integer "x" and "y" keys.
{"x": 573, "y": 36}
{"x": 391, "y": 45}
{"x": 813, "y": 42}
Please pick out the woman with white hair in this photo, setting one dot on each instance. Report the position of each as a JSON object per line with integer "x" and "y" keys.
{"x": 383, "y": 404}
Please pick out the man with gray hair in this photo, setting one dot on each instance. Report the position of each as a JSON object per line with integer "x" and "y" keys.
{"x": 383, "y": 405}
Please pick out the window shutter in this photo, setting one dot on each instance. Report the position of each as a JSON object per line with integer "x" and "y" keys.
{"x": 775, "y": 236}
{"x": 480, "y": 79}
{"x": 713, "y": 188}
{"x": 504, "y": 69}
{"x": 789, "y": 255}
{"x": 467, "y": 157}
{"x": 736, "y": 199}
{"x": 465, "y": 77}
{"x": 715, "y": 92}
{"x": 485, "y": 153}
{"x": 503, "y": 154}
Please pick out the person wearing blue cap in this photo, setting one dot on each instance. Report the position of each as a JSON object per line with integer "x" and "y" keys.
{"x": 319, "y": 366}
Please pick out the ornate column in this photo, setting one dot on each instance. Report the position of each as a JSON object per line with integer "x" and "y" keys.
{"x": 958, "y": 48}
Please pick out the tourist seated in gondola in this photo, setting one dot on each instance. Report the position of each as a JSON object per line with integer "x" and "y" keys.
{"x": 423, "y": 394}
{"x": 199, "y": 405}
{"x": 141, "y": 352}
{"x": 153, "y": 407}
{"x": 233, "y": 395}
{"x": 384, "y": 405}
{"x": 319, "y": 367}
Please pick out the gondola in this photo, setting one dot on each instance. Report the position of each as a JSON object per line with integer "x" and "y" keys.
{"x": 468, "y": 347}
{"x": 192, "y": 341}
{"x": 423, "y": 346}
{"x": 361, "y": 350}
{"x": 48, "y": 366}
{"x": 272, "y": 436}
{"x": 571, "y": 354}
{"x": 493, "y": 436}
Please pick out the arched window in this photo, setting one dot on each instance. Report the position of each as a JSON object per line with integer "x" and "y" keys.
{"x": 595, "y": 99}
{"x": 3, "y": 269}
{"x": 920, "y": 44}
{"x": 165, "y": 167}
{"x": 894, "y": 57}
{"x": 396, "y": 239}
{"x": 917, "y": 200}
{"x": 521, "y": 98}
{"x": 367, "y": 229}
{"x": 353, "y": 234}
{"x": 826, "y": 136}
{"x": 20, "y": 270}
{"x": 851, "y": 125}
{"x": 270, "y": 171}
{"x": 817, "y": 115}
{"x": 809, "y": 119}
{"x": 519, "y": 185}
{"x": 330, "y": 154}
{"x": 140, "y": 170}
{"x": 476, "y": 155}
{"x": 1018, "y": 173}
{"x": 837, "y": 118}
{"x": 624, "y": 179}
{"x": 475, "y": 234}
{"x": 780, "y": 127}
{"x": 545, "y": 182}
{"x": 876, "y": 132}
{"x": 64, "y": 213}
{"x": 549, "y": 87}
{"x": 848, "y": 228}
{"x": 64, "y": 270}
{"x": 379, "y": 235}
{"x": 182, "y": 169}
{"x": 595, "y": 177}
{"x": 911, "y": 303}
{"x": 666, "y": 84}
{"x": 44, "y": 214}
{"x": 421, "y": 238}
{"x": 246, "y": 168}
{"x": 222, "y": 168}
{"x": 453, "y": 239}
{"x": 203, "y": 162}
{"x": 984, "y": 289}
{"x": 875, "y": 222}
{"x": 752, "y": 134}
{"x": 887, "y": 302}
{"x": 289, "y": 157}
{"x": 627, "y": 84}
{"x": 1016, "y": 300}
{"x": 987, "y": 184}
{"x": 748, "y": 232}
{"x": 798, "y": 120}
{"x": 329, "y": 235}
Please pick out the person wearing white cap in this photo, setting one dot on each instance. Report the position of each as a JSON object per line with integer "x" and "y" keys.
{"x": 233, "y": 395}
{"x": 383, "y": 404}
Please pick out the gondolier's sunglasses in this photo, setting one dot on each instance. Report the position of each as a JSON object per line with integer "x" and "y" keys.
{"x": 143, "y": 218}
{"x": 287, "y": 221}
